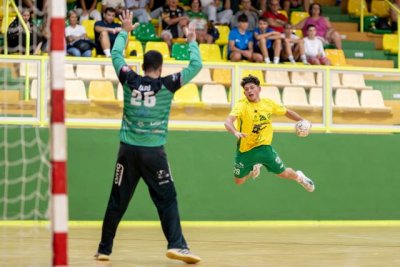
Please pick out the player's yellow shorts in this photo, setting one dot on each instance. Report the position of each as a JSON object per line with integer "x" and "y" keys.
{"x": 265, "y": 155}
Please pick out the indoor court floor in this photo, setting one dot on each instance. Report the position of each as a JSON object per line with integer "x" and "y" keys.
{"x": 244, "y": 244}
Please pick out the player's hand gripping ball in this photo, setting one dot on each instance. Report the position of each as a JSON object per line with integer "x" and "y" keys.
{"x": 303, "y": 128}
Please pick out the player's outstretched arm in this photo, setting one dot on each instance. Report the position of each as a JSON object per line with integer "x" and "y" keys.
{"x": 195, "y": 63}
{"x": 231, "y": 127}
{"x": 120, "y": 42}
{"x": 294, "y": 116}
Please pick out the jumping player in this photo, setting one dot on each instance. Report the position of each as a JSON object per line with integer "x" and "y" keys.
{"x": 147, "y": 102}
{"x": 254, "y": 136}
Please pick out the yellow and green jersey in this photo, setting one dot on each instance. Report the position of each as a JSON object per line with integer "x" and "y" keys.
{"x": 255, "y": 120}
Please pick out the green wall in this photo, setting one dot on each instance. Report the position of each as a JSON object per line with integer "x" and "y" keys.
{"x": 357, "y": 178}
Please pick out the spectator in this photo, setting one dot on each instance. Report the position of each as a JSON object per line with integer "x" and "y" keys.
{"x": 267, "y": 41}
{"x": 293, "y": 46}
{"x": 87, "y": 9}
{"x": 38, "y": 7}
{"x": 174, "y": 21}
{"x": 16, "y": 35}
{"x": 393, "y": 15}
{"x": 139, "y": 9}
{"x": 288, "y": 4}
{"x": 218, "y": 11}
{"x": 105, "y": 32}
{"x": 199, "y": 19}
{"x": 247, "y": 10}
{"x": 78, "y": 45}
{"x": 314, "y": 48}
{"x": 324, "y": 29}
{"x": 118, "y": 5}
{"x": 156, "y": 8}
{"x": 276, "y": 20}
{"x": 240, "y": 44}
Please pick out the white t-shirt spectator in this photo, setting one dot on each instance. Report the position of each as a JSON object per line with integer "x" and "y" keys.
{"x": 314, "y": 47}
{"x": 113, "y": 3}
{"x": 78, "y": 30}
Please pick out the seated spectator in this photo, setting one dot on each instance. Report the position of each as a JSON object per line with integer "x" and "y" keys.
{"x": 293, "y": 46}
{"x": 303, "y": 4}
{"x": 240, "y": 44}
{"x": 267, "y": 41}
{"x": 324, "y": 29}
{"x": 78, "y": 45}
{"x": 247, "y": 10}
{"x": 118, "y": 5}
{"x": 314, "y": 48}
{"x": 218, "y": 11}
{"x": 38, "y": 7}
{"x": 276, "y": 20}
{"x": 393, "y": 15}
{"x": 156, "y": 8}
{"x": 105, "y": 32}
{"x": 199, "y": 19}
{"x": 174, "y": 22}
{"x": 87, "y": 9}
{"x": 139, "y": 9}
{"x": 16, "y": 35}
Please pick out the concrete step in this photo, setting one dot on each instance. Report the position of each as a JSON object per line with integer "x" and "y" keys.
{"x": 345, "y": 26}
{"x": 374, "y": 63}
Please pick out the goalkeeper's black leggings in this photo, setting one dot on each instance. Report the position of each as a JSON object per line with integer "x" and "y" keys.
{"x": 151, "y": 164}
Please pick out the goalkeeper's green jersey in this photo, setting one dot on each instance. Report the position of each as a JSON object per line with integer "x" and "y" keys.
{"x": 147, "y": 101}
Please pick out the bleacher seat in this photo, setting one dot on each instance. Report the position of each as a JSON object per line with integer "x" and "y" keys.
{"x": 75, "y": 91}
{"x": 271, "y": 92}
{"x": 335, "y": 79}
{"x": 146, "y": 32}
{"x": 303, "y": 78}
{"x": 354, "y": 81}
{"x": 187, "y": 95}
{"x": 257, "y": 73}
{"x": 180, "y": 51}
{"x": 88, "y": 24}
{"x": 222, "y": 75}
{"x": 161, "y": 47}
{"x": 380, "y": 8}
{"x": 297, "y": 16}
{"x": 214, "y": 94}
{"x": 210, "y": 52}
{"x": 390, "y": 43}
{"x": 101, "y": 91}
{"x": 346, "y": 100}
{"x": 223, "y": 34}
{"x": 373, "y": 101}
{"x": 32, "y": 69}
{"x": 336, "y": 56}
{"x": 354, "y": 7}
{"x": 277, "y": 78}
{"x": 134, "y": 49}
{"x": 10, "y": 96}
{"x": 120, "y": 92}
{"x": 109, "y": 73}
{"x": 295, "y": 97}
{"x": 89, "y": 72}
{"x": 315, "y": 97}
{"x": 203, "y": 77}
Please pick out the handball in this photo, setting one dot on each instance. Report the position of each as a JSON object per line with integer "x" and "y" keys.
{"x": 303, "y": 128}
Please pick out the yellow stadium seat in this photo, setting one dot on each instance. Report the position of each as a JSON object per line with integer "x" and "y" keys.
{"x": 336, "y": 56}
{"x": 347, "y": 100}
{"x": 109, "y": 73}
{"x": 101, "y": 91}
{"x": 373, "y": 101}
{"x": 134, "y": 49}
{"x": 277, "y": 78}
{"x": 75, "y": 91}
{"x": 295, "y": 97}
{"x": 120, "y": 92}
{"x": 315, "y": 97}
{"x": 88, "y": 24}
{"x": 380, "y": 8}
{"x": 391, "y": 43}
{"x": 223, "y": 76}
{"x": 214, "y": 94}
{"x": 9, "y": 96}
{"x": 225, "y": 53}
{"x": 210, "y": 52}
{"x": 187, "y": 95}
{"x": 271, "y": 92}
{"x": 298, "y": 32}
{"x": 4, "y": 25}
{"x": 89, "y": 72}
{"x": 354, "y": 81}
{"x": 204, "y": 76}
{"x": 69, "y": 71}
{"x": 283, "y": 12}
{"x": 354, "y": 7}
{"x": 297, "y": 16}
{"x": 306, "y": 78}
{"x": 161, "y": 47}
{"x": 223, "y": 34}
{"x": 335, "y": 80}
{"x": 257, "y": 73}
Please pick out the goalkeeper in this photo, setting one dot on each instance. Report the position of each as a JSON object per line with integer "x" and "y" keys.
{"x": 147, "y": 103}
{"x": 255, "y": 136}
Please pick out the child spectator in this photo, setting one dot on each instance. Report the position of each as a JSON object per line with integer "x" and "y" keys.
{"x": 267, "y": 41}
{"x": 105, "y": 32}
{"x": 314, "y": 48}
{"x": 78, "y": 45}
{"x": 293, "y": 46}
{"x": 240, "y": 44}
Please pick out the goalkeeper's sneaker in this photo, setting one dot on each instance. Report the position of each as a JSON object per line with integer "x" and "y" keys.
{"x": 306, "y": 182}
{"x": 256, "y": 171}
{"x": 101, "y": 257}
{"x": 182, "y": 254}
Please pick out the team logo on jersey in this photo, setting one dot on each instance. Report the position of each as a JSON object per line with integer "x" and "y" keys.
{"x": 163, "y": 174}
{"x": 239, "y": 165}
{"x": 119, "y": 171}
{"x": 278, "y": 160}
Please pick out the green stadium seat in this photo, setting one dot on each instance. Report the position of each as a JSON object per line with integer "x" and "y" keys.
{"x": 180, "y": 51}
{"x": 146, "y": 32}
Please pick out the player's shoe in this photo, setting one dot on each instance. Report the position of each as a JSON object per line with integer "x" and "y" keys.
{"x": 306, "y": 182}
{"x": 182, "y": 254}
{"x": 256, "y": 171}
{"x": 101, "y": 257}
